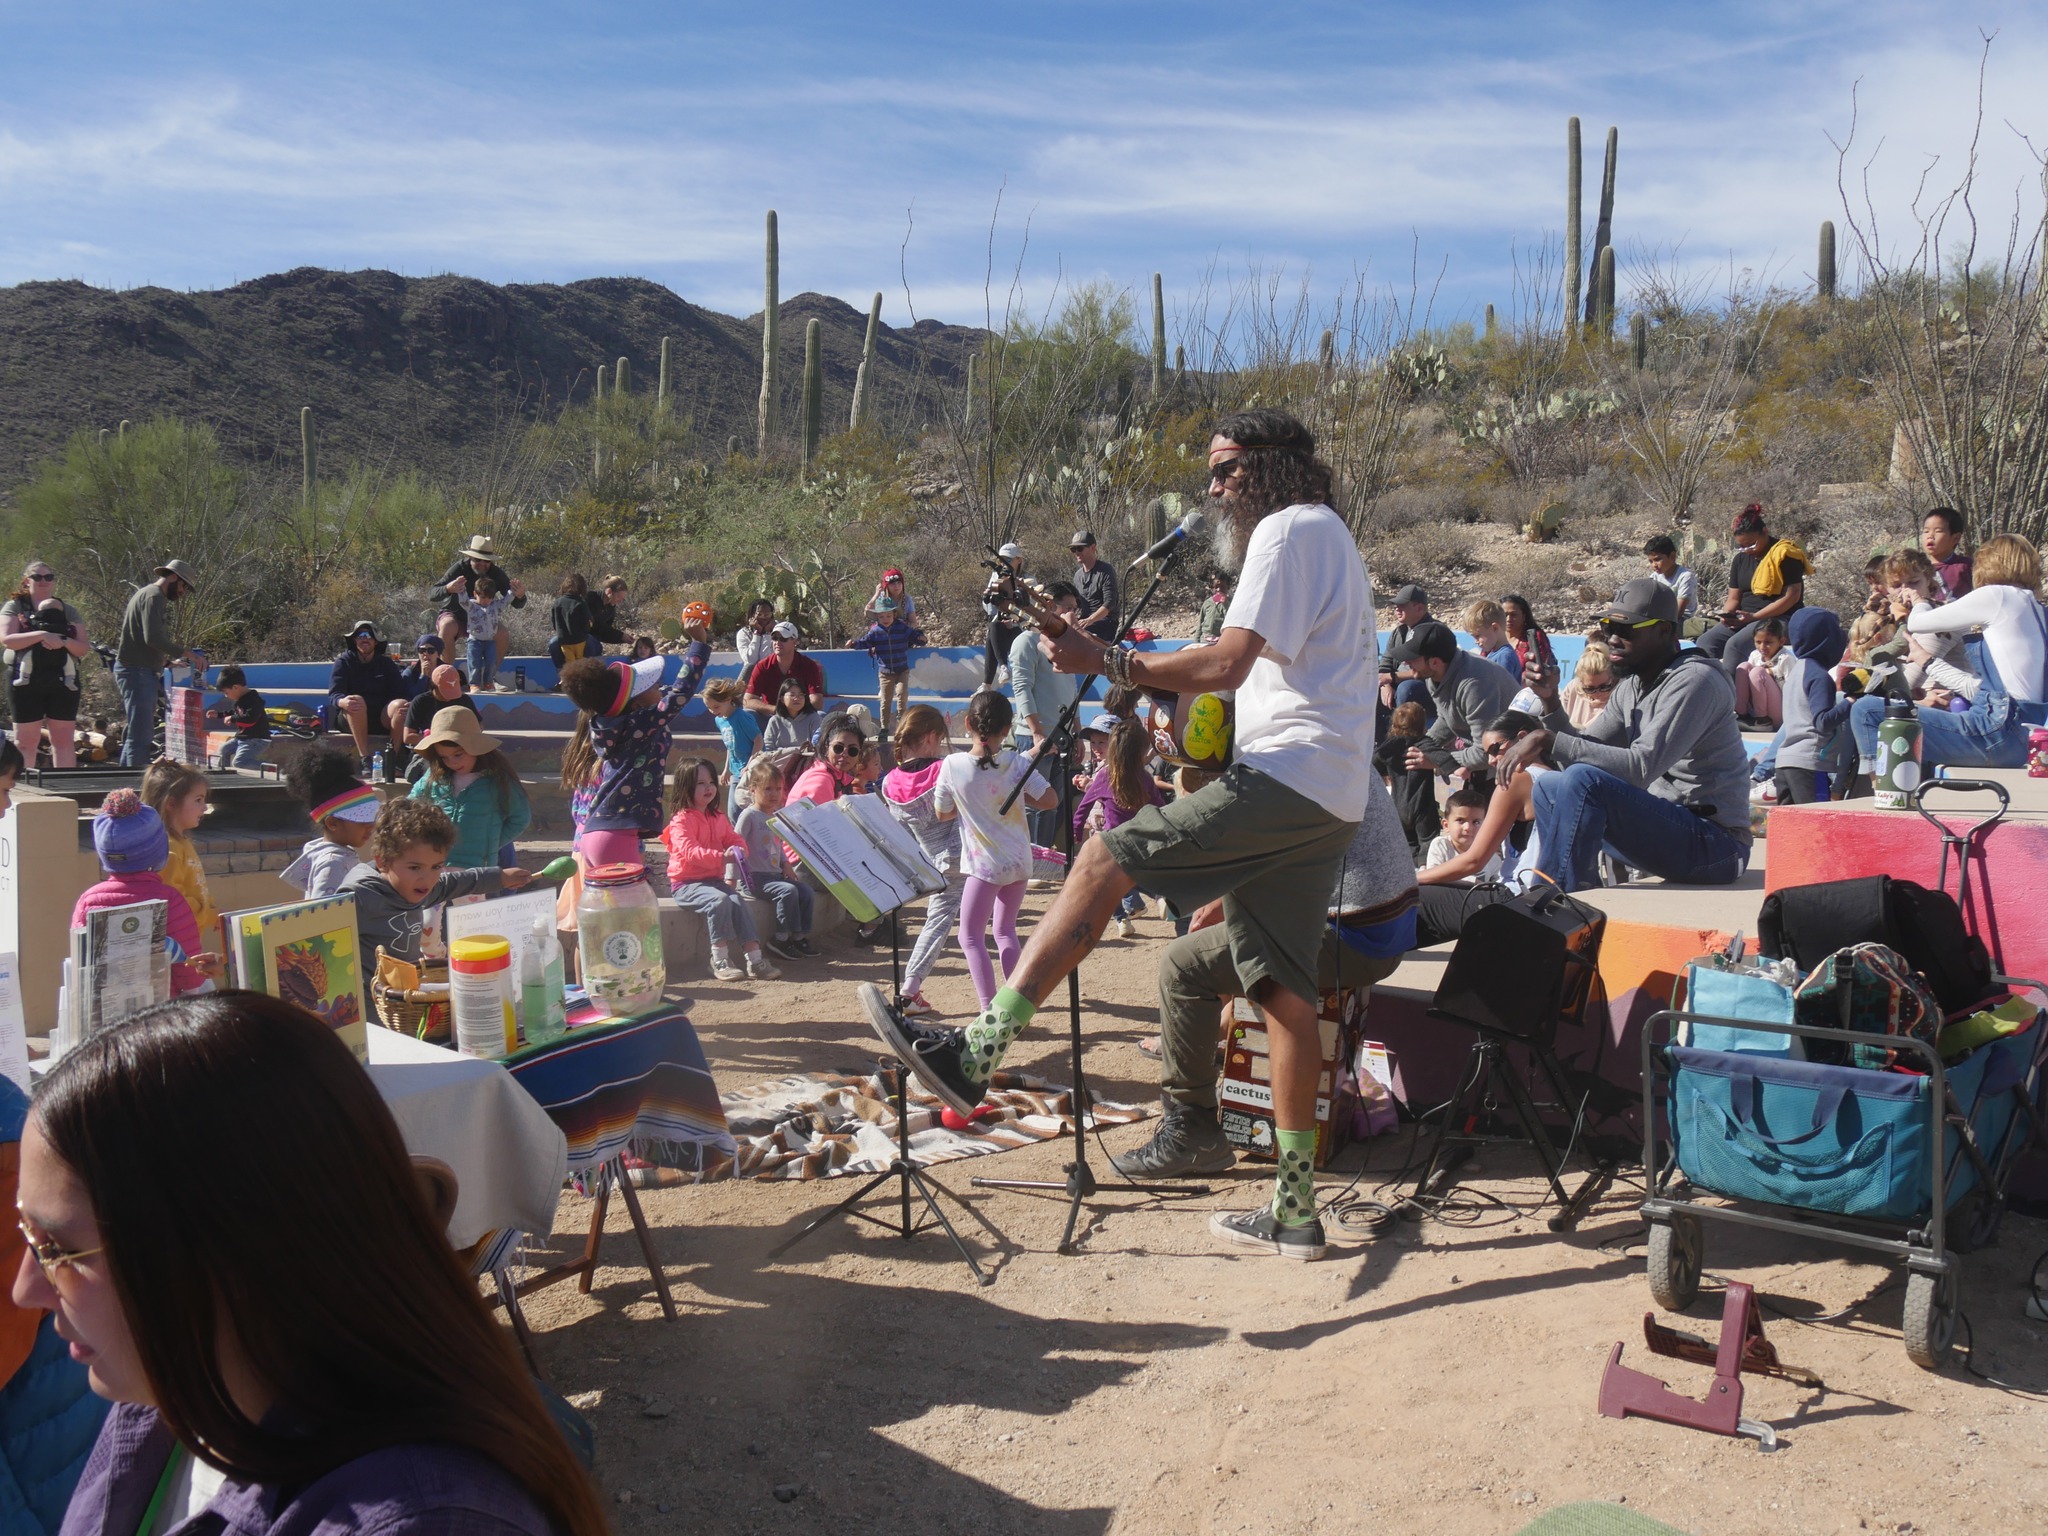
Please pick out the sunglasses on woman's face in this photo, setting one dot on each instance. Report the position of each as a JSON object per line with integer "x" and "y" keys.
{"x": 844, "y": 749}
{"x": 1597, "y": 688}
{"x": 42, "y": 575}
{"x": 1495, "y": 748}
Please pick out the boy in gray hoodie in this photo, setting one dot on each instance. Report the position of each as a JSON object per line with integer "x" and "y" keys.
{"x": 409, "y": 846}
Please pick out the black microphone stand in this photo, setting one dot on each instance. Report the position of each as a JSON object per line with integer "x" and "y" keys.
{"x": 1080, "y": 1184}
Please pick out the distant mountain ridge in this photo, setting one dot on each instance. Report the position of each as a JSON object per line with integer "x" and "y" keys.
{"x": 417, "y": 372}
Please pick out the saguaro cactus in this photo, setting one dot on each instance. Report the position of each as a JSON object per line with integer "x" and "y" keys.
{"x": 1158, "y": 337}
{"x": 603, "y": 373}
{"x": 814, "y": 393}
{"x": 1326, "y": 353}
{"x": 622, "y": 378}
{"x": 1639, "y": 338}
{"x": 862, "y": 380}
{"x": 1572, "y": 267}
{"x": 309, "y": 468}
{"x": 1824, "y": 271}
{"x": 1491, "y": 323}
{"x": 967, "y": 417}
{"x": 769, "y": 416}
{"x": 1603, "y": 232}
{"x": 661, "y": 382}
{"x": 1603, "y": 294}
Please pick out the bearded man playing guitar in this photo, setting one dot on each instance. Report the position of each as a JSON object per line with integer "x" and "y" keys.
{"x": 1267, "y": 837}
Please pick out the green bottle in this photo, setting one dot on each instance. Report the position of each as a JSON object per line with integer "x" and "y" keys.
{"x": 1896, "y": 773}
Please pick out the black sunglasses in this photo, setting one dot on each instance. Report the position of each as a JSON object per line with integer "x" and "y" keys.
{"x": 842, "y": 749}
{"x": 1224, "y": 470}
{"x": 1495, "y": 748}
{"x": 1596, "y": 688}
{"x": 42, "y": 575}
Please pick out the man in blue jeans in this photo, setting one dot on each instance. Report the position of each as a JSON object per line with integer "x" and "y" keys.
{"x": 1660, "y": 779}
{"x": 144, "y": 650}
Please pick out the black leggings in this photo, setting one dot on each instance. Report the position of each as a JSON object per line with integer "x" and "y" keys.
{"x": 1001, "y": 637}
{"x": 1442, "y": 909}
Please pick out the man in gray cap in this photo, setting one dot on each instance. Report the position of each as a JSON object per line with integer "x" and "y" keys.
{"x": 144, "y": 649}
{"x": 1660, "y": 779}
{"x": 1467, "y": 689}
{"x": 1409, "y": 607}
{"x": 1101, "y": 606}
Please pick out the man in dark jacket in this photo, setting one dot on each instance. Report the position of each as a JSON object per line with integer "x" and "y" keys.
{"x": 367, "y": 691}
{"x": 479, "y": 559}
{"x": 144, "y": 649}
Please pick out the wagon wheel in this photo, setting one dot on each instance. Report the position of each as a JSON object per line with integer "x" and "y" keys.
{"x": 1930, "y": 1325}
{"x": 1678, "y": 1249}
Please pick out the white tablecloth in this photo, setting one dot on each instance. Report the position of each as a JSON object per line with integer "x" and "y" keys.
{"x": 508, "y": 1156}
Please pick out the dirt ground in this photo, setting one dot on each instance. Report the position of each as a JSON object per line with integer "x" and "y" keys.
{"x": 1437, "y": 1378}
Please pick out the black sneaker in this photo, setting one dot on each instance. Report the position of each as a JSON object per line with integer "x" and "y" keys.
{"x": 934, "y": 1055}
{"x": 1189, "y": 1141}
{"x": 786, "y": 948}
{"x": 1261, "y": 1230}
{"x": 799, "y": 945}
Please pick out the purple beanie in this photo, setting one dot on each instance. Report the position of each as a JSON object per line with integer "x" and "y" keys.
{"x": 128, "y": 835}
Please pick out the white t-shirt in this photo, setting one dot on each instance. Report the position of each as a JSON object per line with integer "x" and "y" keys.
{"x": 2014, "y": 633}
{"x": 993, "y": 847}
{"x": 1442, "y": 850}
{"x": 1305, "y": 713}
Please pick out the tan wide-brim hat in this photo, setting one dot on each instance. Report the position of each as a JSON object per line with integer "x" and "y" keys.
{"x": 458, "y": 726}
{"x": 480, "y": 548}
{"x": 179, "y": 569}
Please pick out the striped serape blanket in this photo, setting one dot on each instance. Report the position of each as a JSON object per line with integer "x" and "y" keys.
{"x": 638, "y": 1087}
{"x": 819, "y": 1127}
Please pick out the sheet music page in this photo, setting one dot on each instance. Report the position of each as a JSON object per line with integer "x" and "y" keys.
{"x": 793, "y": 824}
{"x": 894, "y": 840}
{"x": 846, "y": 847}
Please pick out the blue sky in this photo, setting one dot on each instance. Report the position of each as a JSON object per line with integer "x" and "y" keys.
{"x": 194, "y": 145}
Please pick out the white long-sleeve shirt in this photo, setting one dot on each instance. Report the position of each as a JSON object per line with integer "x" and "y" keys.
{"x": 2015, "y": 634}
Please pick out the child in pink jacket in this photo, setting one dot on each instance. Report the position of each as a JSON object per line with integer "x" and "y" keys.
{"x": 699, "y": 840}
{"x": 133, "y": 848}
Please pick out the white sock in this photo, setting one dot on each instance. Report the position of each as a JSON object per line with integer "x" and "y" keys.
{"x": 721, "y": 954}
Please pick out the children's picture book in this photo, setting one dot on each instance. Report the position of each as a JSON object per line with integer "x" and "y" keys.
{"x": 305, "y": 953}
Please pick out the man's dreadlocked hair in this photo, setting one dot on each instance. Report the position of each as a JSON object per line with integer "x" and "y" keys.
{"x": 1280, "y": 464}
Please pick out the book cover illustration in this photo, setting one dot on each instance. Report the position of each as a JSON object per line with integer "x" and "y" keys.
{"x": 308, "y": 952}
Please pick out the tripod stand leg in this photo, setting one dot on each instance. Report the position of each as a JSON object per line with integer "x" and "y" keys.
{"x": 843, "y": 1208}
{"x": 924, "y": 1188}
{"x": 1476, "y": 1067}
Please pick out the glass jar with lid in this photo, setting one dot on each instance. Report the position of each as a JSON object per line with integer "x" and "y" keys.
{"x": 618, "y": 940}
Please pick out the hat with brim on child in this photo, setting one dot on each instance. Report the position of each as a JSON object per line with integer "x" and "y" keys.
{"x": 635, "y": 678}
{"x": 885, "y": 604}
{"x": 128, "y": 836}
{"x": 358, "y": 803}
{"x": 457, "y": 726}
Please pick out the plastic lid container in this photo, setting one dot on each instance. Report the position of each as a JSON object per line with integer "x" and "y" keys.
{"x": 480, "y": 954}
{"x": 615, "y": 874}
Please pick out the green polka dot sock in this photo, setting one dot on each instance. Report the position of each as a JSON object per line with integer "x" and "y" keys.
{"x": 1294, "y": 1188}
{"x": 989, "y": 1036}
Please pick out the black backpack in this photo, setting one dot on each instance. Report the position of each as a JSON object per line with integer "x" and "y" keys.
{"x": 1807, "y": 923}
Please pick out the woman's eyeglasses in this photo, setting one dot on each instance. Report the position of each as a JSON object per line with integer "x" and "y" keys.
{"x": 844, "y": 749}
{"x": 42, "y": 575}
{"x": 1596, "y": 687}
{"x": 1494, "y": 748}
{"x": 49, "y": 1257}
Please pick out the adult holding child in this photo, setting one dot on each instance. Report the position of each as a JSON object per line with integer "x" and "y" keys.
{"x": 145, "y": 648}
{"x": 366, "y": 690}
{"x": 476, "y": 561}
{"x": 1267, "y": 836}
{"x": 1766, "y": 580}
{"x": 45, "y": 640}
{"x": 2009, "y": 658}
{"x": 1660, "y": 780}
{"x": 259, "y": 1385}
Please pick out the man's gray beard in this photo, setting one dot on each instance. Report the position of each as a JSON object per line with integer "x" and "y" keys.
{"x": 1227, "y": 539}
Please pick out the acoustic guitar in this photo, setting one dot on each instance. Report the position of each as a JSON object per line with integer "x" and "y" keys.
{"x": 1189, "y": 730}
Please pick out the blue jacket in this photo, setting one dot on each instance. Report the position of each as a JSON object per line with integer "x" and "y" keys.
{"x": 49, "y": 1417}
{"x": 890, "y": 644}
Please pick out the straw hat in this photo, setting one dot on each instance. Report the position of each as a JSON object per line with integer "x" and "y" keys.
{"x": 457, "y": 726}
{"x": 179, "y": 569}
{"x": 480, "y": 548}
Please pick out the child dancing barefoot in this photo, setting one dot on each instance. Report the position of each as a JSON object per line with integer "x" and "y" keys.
{"x": 995, "y": 849}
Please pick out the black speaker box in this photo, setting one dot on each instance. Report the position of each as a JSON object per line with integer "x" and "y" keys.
{"x": 1523, "y": 965}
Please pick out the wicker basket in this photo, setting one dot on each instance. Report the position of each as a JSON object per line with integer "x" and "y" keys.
{"x": 423, "y": 1015}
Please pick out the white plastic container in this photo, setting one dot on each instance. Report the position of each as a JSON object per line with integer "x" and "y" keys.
{"x": 480, "y": 996}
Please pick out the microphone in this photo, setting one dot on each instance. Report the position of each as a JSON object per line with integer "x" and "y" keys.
{"x": 1193, "y": 523}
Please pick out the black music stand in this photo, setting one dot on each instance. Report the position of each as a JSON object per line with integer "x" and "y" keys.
{"x": 906, "y": 1173}
{"x": 1080, "y": 1183}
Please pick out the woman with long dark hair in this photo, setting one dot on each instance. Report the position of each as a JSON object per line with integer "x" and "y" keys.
{"x": 221, "y": 1214}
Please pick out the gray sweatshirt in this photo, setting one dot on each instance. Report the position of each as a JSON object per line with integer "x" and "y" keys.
{"x": 1472, "y": 693}
{"x": 383, "y": 918}
{"x": 1678, "y": 740}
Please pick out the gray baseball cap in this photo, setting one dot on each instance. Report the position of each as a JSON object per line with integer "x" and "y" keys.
{"x": 1641, "y": 601}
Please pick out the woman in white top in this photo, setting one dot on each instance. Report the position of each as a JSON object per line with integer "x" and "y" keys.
{"x": 2010, "y": 655}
